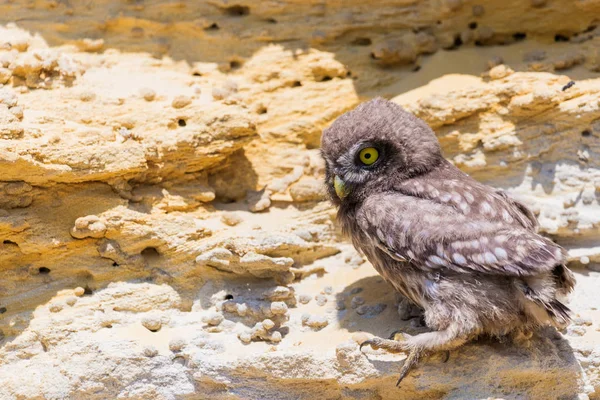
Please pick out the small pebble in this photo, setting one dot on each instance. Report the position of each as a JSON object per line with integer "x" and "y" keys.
{"x": 276, "y": 337}
{"x": 356, "y": 290}
{"x": 71, "y": 300}
{"x": 327, "y": 290}
{"x": 357, "y": 301}
{"x": 181, "y": 101}
{"x": 17, "y": 111}
{"x": 478, "y": 10}
{"x": 55, "y": 308}
{"x": 79, "y": 291}
{"x": 314, "y": 321}
{"x": 582, "y": 321}
{"x": 321, "y": 300}
{"x": 371, "y": 311}
{"x": 454, "y": 5}
{"x": 231, "y": 219}
{"x": 213, "y": 318}
{"x": 150, "y": 351}
{"x": 87, "y": 96}
{"x": 245, "y": 337}
{"x": 304, "y": 298}
{"x": 279, "y": 308}
{"x": 152, "y": 323}
{"x": 176, "y": 344}
{"x": 148, "y": 94}
{"x": 500, "y": 71}
{"x": 340, "y": 305}
{"x": 584, "y": 260}
{"x": 268, "y": 324}
{"x": 242, "y": 309}
{"x": 576, "y": 330}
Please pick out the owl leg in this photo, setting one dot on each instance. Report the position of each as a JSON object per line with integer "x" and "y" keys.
{"x": 418, "y": 345}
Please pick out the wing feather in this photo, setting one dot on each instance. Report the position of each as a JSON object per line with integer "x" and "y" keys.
{"x": 437, "y": 236}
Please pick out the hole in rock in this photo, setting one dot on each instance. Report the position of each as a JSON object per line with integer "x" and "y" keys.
{"x": 296, "y": 84}
{"x": 213, "y": 27}
{"x": 87, "y": 291}
{"x": 473, "y": 25}
{"x": 150, "y": 253}
{"x": 237, "y": 11}
{"x": 44, "y": 270}
{"x": 235, "y": 64}
{"x": 3, "y": 310}
{"x": 115, "y": 264}
{"x": 325, "y": 78}
{"x": 228, "y": 297}
{"x": 362, "y": 41}
{"x": 272, "y": 20}
{"x": 561, "y": 38}
{"x": 586, "y": 133}
{"x": 181, "y": 122}
{"x": 520, "y": 36}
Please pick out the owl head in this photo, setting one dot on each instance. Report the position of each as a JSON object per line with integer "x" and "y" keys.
{"x": 374, "y": 147}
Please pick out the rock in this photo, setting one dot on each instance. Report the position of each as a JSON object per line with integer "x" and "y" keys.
{"x": 177, "y": 344}
{"x": 231, "y": 219}
{"x": 321, "y": 300}
{"x": 315, "y": 321}
{"x": 108, "y": 188}
{"x": 150, "y": 351}
{"x": 259, "y": 201}
{"x": 304, "y": 298}
{"x": 181, "y": 101}
{"x": 90, "y": 226}
{"x": 5, "y": 75}
{"x": 307, "y": 190}
{"x": 213, "y": 318}
{"x": 500, "y": 71}
{"x": 278, "y": 307}
{"x": 148, "y": 94}
{"x": 152, "y": 323}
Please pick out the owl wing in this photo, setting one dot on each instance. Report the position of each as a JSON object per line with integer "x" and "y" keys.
{"x": 436, "y": 236}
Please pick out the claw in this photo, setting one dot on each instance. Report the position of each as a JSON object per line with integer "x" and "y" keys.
{"x": 363, "y": 344}
{"x": 447, "y": 356}
{"x": 368, "y": 342}
{"x": 409, "y": 363}
{"x": 393, "y": 335}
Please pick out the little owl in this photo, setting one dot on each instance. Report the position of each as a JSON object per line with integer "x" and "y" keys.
{"x": 464, "y": 252}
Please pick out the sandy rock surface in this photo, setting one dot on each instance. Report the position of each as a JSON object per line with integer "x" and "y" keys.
{"x": 163, "y": 228}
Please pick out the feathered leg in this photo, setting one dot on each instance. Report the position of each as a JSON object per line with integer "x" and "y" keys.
{"x": 446, "y": 339}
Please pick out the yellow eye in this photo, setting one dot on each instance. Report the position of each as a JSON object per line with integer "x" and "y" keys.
{"x": 368, "y": 155}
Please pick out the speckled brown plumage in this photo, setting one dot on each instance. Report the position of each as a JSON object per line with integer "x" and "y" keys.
{"x": 466, "y": 253}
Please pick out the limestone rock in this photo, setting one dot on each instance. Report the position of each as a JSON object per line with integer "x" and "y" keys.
{"x": 162, "y": 233}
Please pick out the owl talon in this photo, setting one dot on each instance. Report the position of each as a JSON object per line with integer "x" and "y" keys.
{"x": 395, "y": 334}
{"x": 447, "y": 356}
{"x": 393, "y": 346}
{"x": 411, "y": 361}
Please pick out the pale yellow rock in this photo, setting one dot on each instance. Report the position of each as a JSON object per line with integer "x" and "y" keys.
{"x": 202, "y": 218}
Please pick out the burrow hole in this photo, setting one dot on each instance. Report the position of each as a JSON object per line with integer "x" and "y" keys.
{"x": 237, "y": 11}
{"x": 44, "y": 270}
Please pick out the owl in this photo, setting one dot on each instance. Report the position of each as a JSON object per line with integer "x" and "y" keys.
{"x": 467, "y": 254}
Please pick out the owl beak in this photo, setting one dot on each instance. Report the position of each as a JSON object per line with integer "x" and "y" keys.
{"x": 340, "y": 187}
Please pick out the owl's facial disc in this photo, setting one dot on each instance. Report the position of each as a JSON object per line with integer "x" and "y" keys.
{"x": 340, "y": 187}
